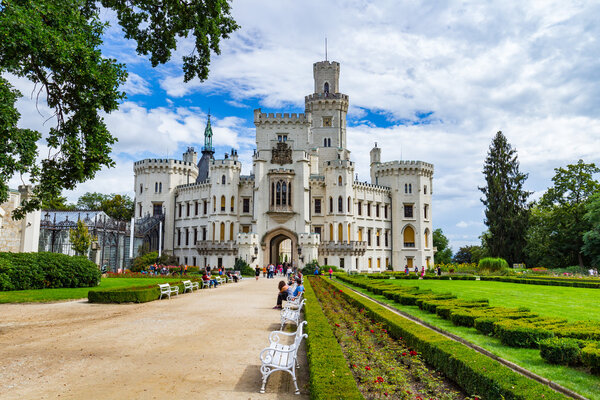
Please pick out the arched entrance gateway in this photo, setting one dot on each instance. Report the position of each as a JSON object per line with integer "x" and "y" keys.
{"x": 280, "y": 245}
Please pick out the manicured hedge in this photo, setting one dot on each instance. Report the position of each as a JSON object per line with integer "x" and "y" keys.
{"x": 580, "y": 283}
{"x": 136, "y": 294}
{"x": 563, "y": 351}
{"x": 22, "y": 271}
{"x": 330, "y": 376}
{"x": 475, "y": 373}
{"x": 590, "y": 356}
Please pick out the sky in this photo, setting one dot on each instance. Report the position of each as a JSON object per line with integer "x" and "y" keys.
{"x": 431, "y": 81}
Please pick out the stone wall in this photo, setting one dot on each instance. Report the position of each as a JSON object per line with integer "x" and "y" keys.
{"x": 22, "y": 235}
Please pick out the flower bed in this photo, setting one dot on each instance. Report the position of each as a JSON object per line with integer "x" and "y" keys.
{"x": 382, "y": 367}
{"x": 472, "y": 371}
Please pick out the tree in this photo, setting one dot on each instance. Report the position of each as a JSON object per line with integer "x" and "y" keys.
{"x": 444, "y": 253}
{"x": 542, "y": 248}
{"x": 80, "y": 238}
{"x": 591, "y": 239}
{"x": 118, "y": 207}
{"x": 505, "y": 201}
{"x": 91, "y": 201}
{"x": 56, "y": 44}
{"x": 59, "y": 204}
{"x": 565, "y": 205}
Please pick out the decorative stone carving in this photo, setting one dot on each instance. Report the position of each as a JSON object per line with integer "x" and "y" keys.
{"x": 282, "y": 154}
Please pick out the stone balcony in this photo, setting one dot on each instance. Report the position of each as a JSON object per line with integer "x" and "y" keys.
{"x": 209, "y": 247}
{"x": 353, "y": 248}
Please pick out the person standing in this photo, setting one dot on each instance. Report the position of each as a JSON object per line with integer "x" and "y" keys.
{"x": 330, "y": 272}
{"x": 257, "y": 272}
{"x": 406, "y": 269}
{"x": 439, "y": 270}
{"x": 416, "y": 270}
{"x": 264, "y": 271}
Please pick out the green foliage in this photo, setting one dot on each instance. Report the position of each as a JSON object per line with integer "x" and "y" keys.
{"x": 563, "y": 351}
{"x": 56, "y": 45}
{"x": 21, "y": 271}
{"x": 80, "y": 238}
{"x": 591, "y": 239}
{"x": 330, "y": 377}
{"x": 243, "y": 267}
{"x": 469, "y": 254}
{"x": 119, "y": 207}
{"x": 91, "y": 201}
{"x": 126, "y": 295}
{"x": 444, "y": 253}
{"x": 59, "y": 203}
{"x": 590, "y": 356}
{"x": 505, "y": 201}
{"x": 141, "y": 263}
{"x": 492, "y": 264}
{"x": 472, "y": 371}
{"x": 542, "y": 249}
{"x": 309, "y": 268}
{"x": 561, "y": 222}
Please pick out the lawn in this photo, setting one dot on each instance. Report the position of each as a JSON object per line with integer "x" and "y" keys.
{"x": 571, "y": 303}
{"x": 44, "y": 295}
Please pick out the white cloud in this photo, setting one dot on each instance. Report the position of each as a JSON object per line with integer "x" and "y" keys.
{"x": 135, "y": 84}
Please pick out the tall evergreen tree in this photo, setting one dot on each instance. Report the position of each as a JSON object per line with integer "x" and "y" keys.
{"x": 506, "y": 211}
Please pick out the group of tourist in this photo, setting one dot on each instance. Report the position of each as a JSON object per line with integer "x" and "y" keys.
{"x": 271, "y": 270}
{"x": 163, "y": 270}
{"x": 213, "y": 282}
{"x": 593, "y": 272}
{"x": 437, "y": 271}
{"x": 289, "y": 292}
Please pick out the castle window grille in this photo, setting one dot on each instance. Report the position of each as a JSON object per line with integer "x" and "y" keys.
{"x": 408, "y": 211}
{"x": 317, "y": 206}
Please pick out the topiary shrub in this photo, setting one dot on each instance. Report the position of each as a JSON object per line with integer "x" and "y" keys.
{"x": 492, "y": 264}
{"x": 125, "y": 295}
{"x": 309, "y": 268}
{"x": 563, "y": 351}
{"x": 520, "y": 333}
{"x": 590, "y": 356}
{"x": 22, "y": 271}
{"x": 243, "y": 267}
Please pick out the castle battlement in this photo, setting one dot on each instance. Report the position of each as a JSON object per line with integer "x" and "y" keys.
{"x": 191, "y": 186}
{"x": 279, "y": 118}
{"x": 166, "y": 164}
{"x": 247, "y": 238}
{"x": 326, "y": 96}
{"x": 225, "y": 163}
{"x": 370, "y": 186}
{"x": 333, "y": 164}
{"x": 408, "y": 166}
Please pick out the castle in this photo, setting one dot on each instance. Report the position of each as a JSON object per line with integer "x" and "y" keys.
{"x": 301, "y": 201}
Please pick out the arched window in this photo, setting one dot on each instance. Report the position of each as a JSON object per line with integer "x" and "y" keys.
{"x": 232, "y": 203}
{"x": 326, "y": 87}
{"x": 340, "y": 180}
{"x": 409, "y": 237}
{"x": 331, "y": 205}
{"x": 331, "y": 232}
{"x": 155, "y": 187}
{"x": 329, "y": 142}
{"x": 231, "y": 231}
{"x": 289, "y": 194}
{"x": 214, "y": 227}
{"x": 340, "y": 233}
{"x": 349, "y": 231}
{"x": 160, "y": 187}
{"x": 410, "y": 188}
{"x": 272, "y": 193}
{"x": 222, "y": 203}
{"x": 222, "y": 232}
{"x": 214, "y": 204}
{"x": 325, "y": 142}
{"x": 278, "y": 193}
{"x": 360, "y": 235}
{"x": 223, "y": 179}
{"x": 284, "y": 194}
{"x": 340, "y": 204}
{"x": 406, "y": 188}
{"x": 349, "y": 210}
{"x": 426, "y": 238}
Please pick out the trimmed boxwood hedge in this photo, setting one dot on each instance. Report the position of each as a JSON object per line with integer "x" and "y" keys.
{"x": 563, "y": 351}
{"x": 135, "y": 294}
{"x": 330, "y": 376}
{"x": 475, "y": 373}
{"x": 23, "y": 271}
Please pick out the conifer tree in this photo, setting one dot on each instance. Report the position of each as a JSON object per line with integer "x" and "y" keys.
{"x": 506, "y": 210}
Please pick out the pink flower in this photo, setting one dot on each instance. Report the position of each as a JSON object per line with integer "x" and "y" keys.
{"x": 372, "y": 331}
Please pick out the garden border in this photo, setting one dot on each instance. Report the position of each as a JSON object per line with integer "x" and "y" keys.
{"x": 514, "y": 367}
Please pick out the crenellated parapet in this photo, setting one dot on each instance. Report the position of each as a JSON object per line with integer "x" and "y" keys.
{"x": 151, "y": 165}
{"x": 261, "y": 118}
{"x": 370, "y": 186}
{"x": 225, "y": 164}
{"x": 403, "y": 168}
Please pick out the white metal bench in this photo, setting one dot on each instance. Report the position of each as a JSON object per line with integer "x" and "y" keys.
{"x": 239, "y": 275}
{"x": 167, "y": 289}
{"x": 276, "y": 336}
{"x": 294, "y": 302}
{"x": 205, "y": 284}
{"x": 229, "y": 278}
{"x": 273, "y": 359}
{"x": 189, "y": 285}
{"x": 291, "y": 315}
{"x": 220, "y": 280}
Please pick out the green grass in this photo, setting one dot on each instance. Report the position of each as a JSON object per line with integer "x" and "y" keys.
{"x": 45, "y": 295}
{"x": 571, "y": 303}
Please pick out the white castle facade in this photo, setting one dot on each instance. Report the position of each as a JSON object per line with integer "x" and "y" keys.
{"x": 301, "y": 201}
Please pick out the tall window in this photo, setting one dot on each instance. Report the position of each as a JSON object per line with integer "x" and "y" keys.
{"x": 340, "y": 233}
{"x": 222, "y": 232}
{"x": 385, "y": 211}
{"x": 331, "y": 232}
{"x": 187, "y": 237}
{"x": 408, "y": 211}
{"x": 386, "y": 239}
{"x": 368, "y": 209}
{"x": 214, "y": 203}
{"x": 157, "y": 209}
{"x": 377, "y": 238}
{"x": 340, "y": 180}
{"x": 204, "y": 206}
{"x": 281, "y": 193}
{"x": 369, "y": 237}
{"x": 340, "y": 204}
{"x": 179, "y": 209}
{"x": 155, "y": 187}
{"x": 317, "y": 206}
{"x": 330, "y": 205}
{"x": 222, "y": 203}
{"x": 425, "y": 189}
{"x": 232, "y": 203}
{"x": 214, "y": 227}
{"x": 377, "y": 210}
{"x": 409, "y": 237}
{"x": 196, "y": 208}
{"x": 360, "y": 234}
{"x": 326, "y": 87}
{"x": 203, "y": 233}
{"x": 223, "y": 179}
{"x": 231, "y": 227}
{"x": 187, "y": 205}
{"x": 195, "y": 237}
{"x": 318, "y": 231}
{"x": 178, "y": 237}
{"x": 425, "y": 211}
{"x": 349, "y": 232}
{"x": 141, "y": 188}
{"x": 349, "y": 209}
{"x": 426, "y": 238}
{"x": 160, "y": 187}
{"x": 246, "y": 206}
{"x": 360, "y": 208}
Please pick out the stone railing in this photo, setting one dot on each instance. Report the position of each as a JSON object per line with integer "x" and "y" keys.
{"x": 353, "y": 248}
{"x": 227, "y": 247}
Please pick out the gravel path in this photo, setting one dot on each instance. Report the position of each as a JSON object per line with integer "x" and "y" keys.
{"x": 204, "y": 345}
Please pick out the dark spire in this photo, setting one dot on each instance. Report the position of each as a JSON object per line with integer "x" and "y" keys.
{"x": 208, "y": 137}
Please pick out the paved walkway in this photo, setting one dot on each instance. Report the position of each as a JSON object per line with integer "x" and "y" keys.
{"x": 204, "y": 345}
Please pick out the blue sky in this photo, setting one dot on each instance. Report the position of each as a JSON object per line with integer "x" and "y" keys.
{"x": 427, "y": 81}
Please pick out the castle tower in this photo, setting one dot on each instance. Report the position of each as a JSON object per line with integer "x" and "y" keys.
{"x": 327, "y": 108}
{"x": 208, "y": 152}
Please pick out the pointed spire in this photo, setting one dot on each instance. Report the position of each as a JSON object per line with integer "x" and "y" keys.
{"x": 208, "y": 136}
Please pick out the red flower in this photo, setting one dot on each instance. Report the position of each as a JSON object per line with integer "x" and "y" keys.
{"x": 372, "y": 331}
{"x": 385, "y": 394}
{"x": 354, "y": 365}
{"x": 338, "y": 325}
{"x": 380, "y": 379}
{"x": 403, "y": 354}
{"x": 384, "y": 331}
{"x": 368, "y": 368}
{"x": 341, "y": 291}
{"x": 413, "y": 353}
